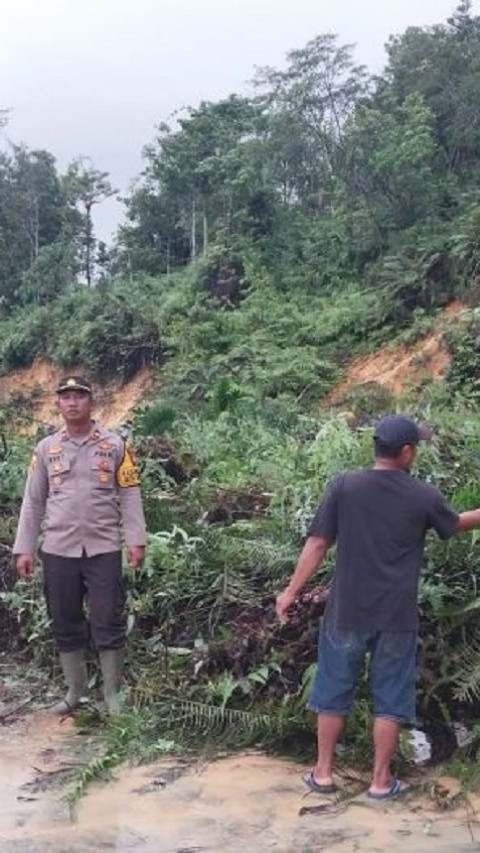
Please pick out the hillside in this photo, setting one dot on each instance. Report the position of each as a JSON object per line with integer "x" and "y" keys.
{"x": 240, "y": 420}
{"x": 398, "y": 367}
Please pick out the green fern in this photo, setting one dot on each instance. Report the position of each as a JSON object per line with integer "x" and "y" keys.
{"x": 467, "y": 678}
{"x": 96, "y": 770}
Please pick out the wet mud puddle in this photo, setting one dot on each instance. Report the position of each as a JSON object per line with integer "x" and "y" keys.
{"x": 247, "y": 802}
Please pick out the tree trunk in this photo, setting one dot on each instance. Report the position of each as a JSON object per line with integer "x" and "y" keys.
{"x": 193, "y": 234}
{"x": 205, "y": 233}
{"x": 36, "y": 227}
{"x": 88, "y": 244}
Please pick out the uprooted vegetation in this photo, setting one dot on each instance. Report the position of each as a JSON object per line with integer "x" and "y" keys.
{"x": 229, "y": 488}
{"x": 235, "y": 446}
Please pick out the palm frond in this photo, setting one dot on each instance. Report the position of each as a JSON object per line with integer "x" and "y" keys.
{"x": 190, "y": 721}
{"x": 467, "y": 678}
{"x": 99, "y": 768}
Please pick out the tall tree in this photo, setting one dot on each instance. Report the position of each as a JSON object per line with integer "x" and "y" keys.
{"x": 198, "y": 178}
{"x": 32, "y": 207}
{"x": 307, "y": 105}
{"x": 86, "y": 187}
{"x": 442, "y": 63}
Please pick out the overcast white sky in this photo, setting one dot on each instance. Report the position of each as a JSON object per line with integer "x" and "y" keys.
{"x": 95, "y": 77}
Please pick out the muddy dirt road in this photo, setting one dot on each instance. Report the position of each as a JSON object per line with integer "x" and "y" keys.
{"x": 244, "y": 803}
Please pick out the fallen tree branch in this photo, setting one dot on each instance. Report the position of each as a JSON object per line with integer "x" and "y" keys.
{"x": 7, "y": 714}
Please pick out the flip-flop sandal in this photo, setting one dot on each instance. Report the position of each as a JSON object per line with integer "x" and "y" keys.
{"x": 395, "y": 791}
{"x": 309, "y": 780}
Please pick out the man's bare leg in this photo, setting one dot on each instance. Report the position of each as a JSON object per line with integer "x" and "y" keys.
{"x": 385, "y": 740}
{"x": 329, "y": 727}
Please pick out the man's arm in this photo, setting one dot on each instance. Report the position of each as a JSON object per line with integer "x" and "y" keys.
{"x": 468, "y": 520}
{"x": 31, "y": 515}
{"x": 310, "y": 559}
{"x": 131, "y": 508}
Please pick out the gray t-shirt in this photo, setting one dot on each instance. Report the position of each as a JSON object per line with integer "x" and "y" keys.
{"x": 379, "y": 520}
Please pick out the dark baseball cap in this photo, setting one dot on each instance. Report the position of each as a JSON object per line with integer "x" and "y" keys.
{"x": 398, "y": 430}
{"x": 73, "y": 383}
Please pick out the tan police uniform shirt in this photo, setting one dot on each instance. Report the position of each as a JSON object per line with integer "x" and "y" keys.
{"x": 86, "y": 489}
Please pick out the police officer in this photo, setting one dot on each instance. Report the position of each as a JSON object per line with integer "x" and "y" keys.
{"x": 83, "y": 482}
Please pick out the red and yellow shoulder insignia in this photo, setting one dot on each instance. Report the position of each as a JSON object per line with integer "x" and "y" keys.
{"x": 127, "y": 472}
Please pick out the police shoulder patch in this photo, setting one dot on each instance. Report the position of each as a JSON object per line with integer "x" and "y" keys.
{"x": 127, "y": 472}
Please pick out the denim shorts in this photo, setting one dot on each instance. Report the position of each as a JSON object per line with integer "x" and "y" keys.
{"x": 341, "y": 655}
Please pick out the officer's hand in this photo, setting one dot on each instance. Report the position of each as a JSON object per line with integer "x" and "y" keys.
{"x": 135, "y": 556}
{"x": 25, "y": 564}
{"x": 283, "y": 603}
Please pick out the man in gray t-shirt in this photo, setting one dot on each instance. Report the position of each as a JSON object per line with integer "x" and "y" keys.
{"x": 383, "y": 516}
{"x": 378, "y": 519}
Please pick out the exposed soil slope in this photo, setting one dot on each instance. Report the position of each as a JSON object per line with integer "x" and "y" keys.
{"x": 399, "y": 367}
{"x": 33, "y": 389}
{"x": 396, "y": 367}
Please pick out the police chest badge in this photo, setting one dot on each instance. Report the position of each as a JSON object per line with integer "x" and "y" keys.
{"x": 127, "y": 472}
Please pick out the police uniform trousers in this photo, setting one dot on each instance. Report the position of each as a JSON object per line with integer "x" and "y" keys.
{"x": 97, "y": 581}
